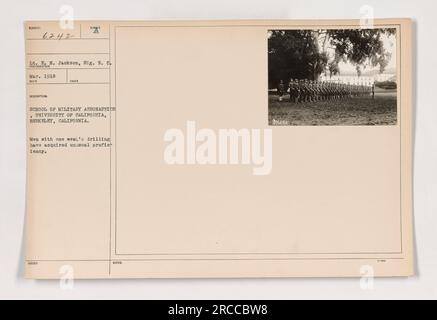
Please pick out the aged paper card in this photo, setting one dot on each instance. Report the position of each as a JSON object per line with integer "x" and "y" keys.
{"x": 219, "y": 149}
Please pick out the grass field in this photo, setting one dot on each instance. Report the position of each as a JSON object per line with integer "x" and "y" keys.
{"x": 350, "y": 111}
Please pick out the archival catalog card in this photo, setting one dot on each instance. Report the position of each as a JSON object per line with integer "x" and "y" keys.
{"x": 219, "y": 149}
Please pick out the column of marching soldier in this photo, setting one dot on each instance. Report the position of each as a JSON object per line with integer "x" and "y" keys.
{"x": 305, "y": 90}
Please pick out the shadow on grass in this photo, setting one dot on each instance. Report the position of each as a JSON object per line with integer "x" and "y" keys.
{"x": 351, "y": 111}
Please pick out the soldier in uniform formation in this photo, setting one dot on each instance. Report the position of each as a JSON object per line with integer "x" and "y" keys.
{"x": 311, "y": 91}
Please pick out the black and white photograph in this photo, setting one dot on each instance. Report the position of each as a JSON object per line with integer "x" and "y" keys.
{"x": 332, "y": 77}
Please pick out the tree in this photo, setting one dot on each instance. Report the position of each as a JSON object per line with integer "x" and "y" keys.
{"x": 333, "y": 67}
{"x": 309, "y": 53}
